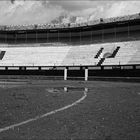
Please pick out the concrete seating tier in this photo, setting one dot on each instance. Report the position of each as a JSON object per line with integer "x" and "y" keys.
{"x": 128, "y": 54}
{"x": 80, "y": 55}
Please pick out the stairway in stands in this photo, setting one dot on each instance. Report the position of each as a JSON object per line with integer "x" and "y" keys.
{"x": 2, "y": 53}
{"x": 115, "y": 52}
{"x": 99, "y": 52}
{"x": 101, "y": 61}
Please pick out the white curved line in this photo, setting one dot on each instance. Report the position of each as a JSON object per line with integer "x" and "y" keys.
{"x": 44, "y": 115}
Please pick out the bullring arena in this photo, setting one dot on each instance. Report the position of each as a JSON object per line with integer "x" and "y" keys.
{"x": 71, "y": 81}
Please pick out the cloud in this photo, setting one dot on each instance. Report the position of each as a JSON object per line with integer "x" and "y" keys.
{"x": 44, "y": 11}
{"x": 27, "y": 12}
{"x": 123, "y": 8}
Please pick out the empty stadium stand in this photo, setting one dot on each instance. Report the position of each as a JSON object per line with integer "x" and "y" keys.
{"x": 127, "y": 54}
{"x": 121, "y": 53}
{"x": 100, "y": 47}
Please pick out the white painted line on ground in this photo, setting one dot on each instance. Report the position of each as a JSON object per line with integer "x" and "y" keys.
{"x": 46, "y": 114}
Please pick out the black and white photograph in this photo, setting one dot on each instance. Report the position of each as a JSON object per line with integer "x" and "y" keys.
{"x": 69, "y": 70}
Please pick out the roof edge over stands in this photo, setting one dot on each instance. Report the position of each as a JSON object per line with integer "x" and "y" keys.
{"x": 69, "y": 25}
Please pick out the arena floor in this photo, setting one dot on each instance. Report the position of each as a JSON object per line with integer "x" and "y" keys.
{"x": 47, "y": 109}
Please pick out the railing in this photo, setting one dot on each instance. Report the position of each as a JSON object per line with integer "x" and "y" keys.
{"x": 44, "y": 65}
{"x": 113, "y": 62}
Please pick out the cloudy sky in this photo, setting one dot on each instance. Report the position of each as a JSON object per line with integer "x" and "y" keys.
{"x": 44, "y": 11}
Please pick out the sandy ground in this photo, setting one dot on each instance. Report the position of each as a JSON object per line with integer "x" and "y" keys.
{"x": 111, "y": 110}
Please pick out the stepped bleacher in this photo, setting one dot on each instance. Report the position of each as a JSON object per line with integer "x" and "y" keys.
{"x": 121, "y": 53}
{"x": 128, "y": 54}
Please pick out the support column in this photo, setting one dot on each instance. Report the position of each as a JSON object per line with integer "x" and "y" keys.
{"x": 86, "y": 74}
{"x": 26, "y": 37}
{"x": 115, "y": 33}
{"x": 36, "y": 37}
{"x": 128, "y": 30}
{"x": 70, "y": 36}
{"x": 65, "y": 73}
{"x": 102, "y": 34}
{"x": 6, "y": 37}
{"x": 58, "y": 35}
{"x": 15, "y": 38}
